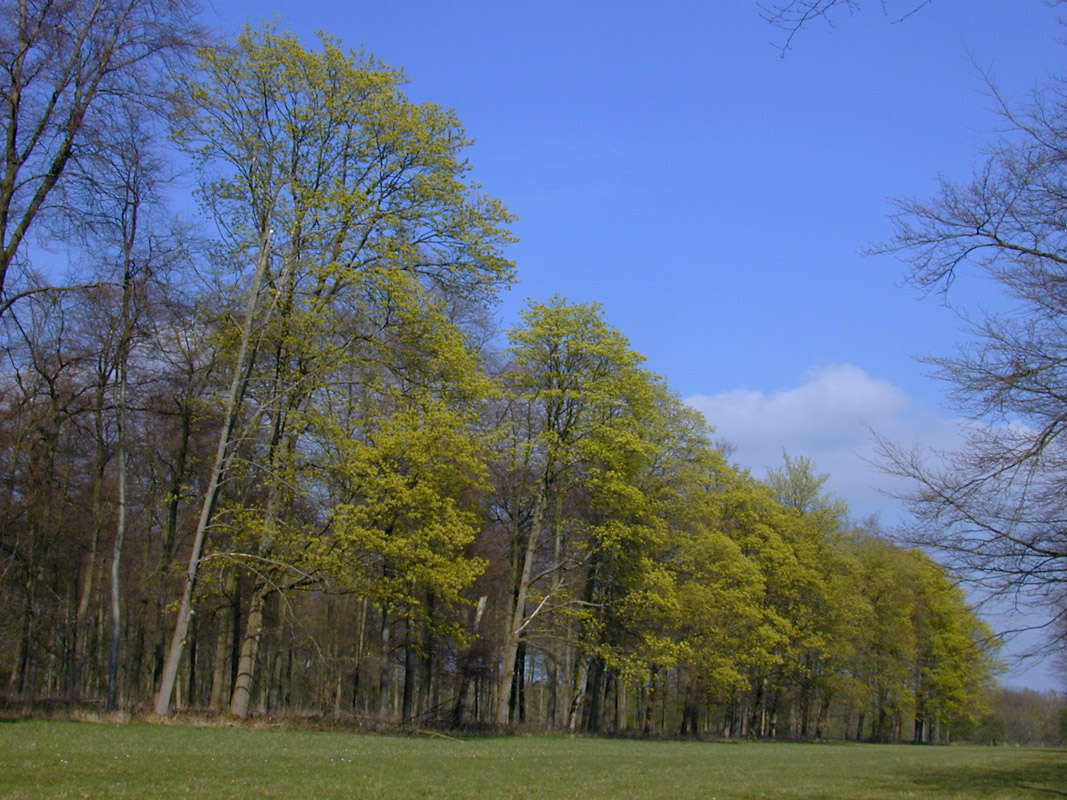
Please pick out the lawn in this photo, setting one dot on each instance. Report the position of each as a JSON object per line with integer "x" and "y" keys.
{"x": 40, "y": 759}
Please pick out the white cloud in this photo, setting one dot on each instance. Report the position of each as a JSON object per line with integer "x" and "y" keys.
{"x": 828, "y": 418}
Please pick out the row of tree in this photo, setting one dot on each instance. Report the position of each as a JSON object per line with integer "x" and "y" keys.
{"x": 287, "y": 467}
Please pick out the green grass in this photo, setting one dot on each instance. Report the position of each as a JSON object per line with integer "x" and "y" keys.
{"x": 40, "y": 759}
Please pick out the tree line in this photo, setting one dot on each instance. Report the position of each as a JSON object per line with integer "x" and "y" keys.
{"x": 1024, "y": 716}
{"x": 272, "y": 456}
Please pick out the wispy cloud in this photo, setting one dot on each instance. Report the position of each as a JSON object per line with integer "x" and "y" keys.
{"x": 829, "y": 417}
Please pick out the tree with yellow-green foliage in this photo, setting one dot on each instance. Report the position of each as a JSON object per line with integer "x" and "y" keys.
{"x": 337, "y": 200}
{"x": 925, "y": 661}
{"x": 823, "y": 603}
{"x": 407, "y": 461}
{"x": 575, "y": 415}
{"x": 696, "y": 606}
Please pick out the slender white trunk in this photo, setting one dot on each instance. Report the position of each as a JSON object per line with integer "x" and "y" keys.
{"x": 242, "y": 687}
{"x": 120, "y": 432}
{"x": 246, "y": 670}
{"x": 218, "y": 468}
{"x": 116, "y": 555}
{"x": 574, "y": 713}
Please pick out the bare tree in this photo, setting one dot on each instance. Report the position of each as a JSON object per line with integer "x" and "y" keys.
{"x": 64, "y": 65}
{"x": 790, "y": 16}
{"x": 112, "y": 191}
{"x": 997, "y": 507}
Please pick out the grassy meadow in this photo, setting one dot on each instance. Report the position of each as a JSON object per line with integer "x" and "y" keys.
{"x": 46, "y": 759}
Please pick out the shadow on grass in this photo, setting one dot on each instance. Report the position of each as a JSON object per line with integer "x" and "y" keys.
{"x": 1045, "y": 777}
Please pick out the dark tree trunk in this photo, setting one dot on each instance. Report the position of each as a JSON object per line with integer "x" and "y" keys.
{"x": 385, "y": 673}
{"x": 407, "y": 698}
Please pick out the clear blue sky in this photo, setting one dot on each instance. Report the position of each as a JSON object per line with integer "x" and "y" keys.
{"x": 664, "y": 161}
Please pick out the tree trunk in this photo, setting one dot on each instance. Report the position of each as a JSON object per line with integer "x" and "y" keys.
{"x": 123, "y": 357}
{"x": 820, "y": 720}
{"x": 17, "y": 682}
{"x": 246, "y": 665}
{"x": 190, "y": 695}
{"x": 755, "y": 721}
{"x": 429, "y": 710}
{"x": 234, "y": 397}
{"x": 517, "y": 619}
{"x": 407, "y": 702}
{"x": 361, "y": 637}
{"x": 595, "y": 694}
{"x": 553, "y": 691}
{"x": 919, "y": 732}
{"x": 116, "y": 555}
{"x": 648, "y": 723}
{"x": 459, "y": 708}
{"x": 581, "y": 676}
{"x": 220, "y": 676}
{"x": 82, "y": 621}
{"x": 385, "y": 674}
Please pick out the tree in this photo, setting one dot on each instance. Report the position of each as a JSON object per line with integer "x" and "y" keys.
{"x": 824, "y": 611}
{"x": 409, "y": 468}
{"x": 348, "y": 199}
{"x": 792, "y": 15}
{"x": 995, "y": 507}
{"x": 921, "y": 656}
{"x": 577, "y": 401}
{"x": 796, "y": 567}
{"x": 66, "y": 66}
{"x": 50, "y": 391}
{"x": 115, "y": 194}
{"x": 724, "y": 629}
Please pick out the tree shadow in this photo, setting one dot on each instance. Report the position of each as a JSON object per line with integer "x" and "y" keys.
{"x": 1043, "y": 778}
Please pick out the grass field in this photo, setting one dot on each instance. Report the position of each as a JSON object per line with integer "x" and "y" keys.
{"x": 40, "y": 759}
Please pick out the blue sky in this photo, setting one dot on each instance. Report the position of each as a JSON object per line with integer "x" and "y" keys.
{"x": 664, "y": 161}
